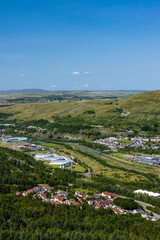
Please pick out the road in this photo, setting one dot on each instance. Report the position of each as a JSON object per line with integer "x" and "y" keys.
{"x": 143, "y": 204}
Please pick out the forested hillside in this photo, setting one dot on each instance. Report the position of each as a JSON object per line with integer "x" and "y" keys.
{"x": 28, "y": 218}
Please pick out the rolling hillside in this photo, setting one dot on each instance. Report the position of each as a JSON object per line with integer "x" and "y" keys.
{"x": 147, "y": 102}
{"x": 91, "y": 117}
{"x": 141, "y": 104}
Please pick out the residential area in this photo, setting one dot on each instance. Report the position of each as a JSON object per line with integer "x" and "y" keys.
{"x": 120, "y": 142}
{"x": 103, "y": 200}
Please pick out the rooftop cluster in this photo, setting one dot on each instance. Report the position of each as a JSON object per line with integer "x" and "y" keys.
{"x": 103, "y": 200}
{"x": 147, "y": 160}
{"x": 117, "y": 142}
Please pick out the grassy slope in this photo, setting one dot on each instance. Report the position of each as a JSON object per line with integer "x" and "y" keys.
{"x": 139, "y": 106}
{"x": 144, "y": 105}
{"x": 32, "y": 111}
{"x": 113, "y": 170}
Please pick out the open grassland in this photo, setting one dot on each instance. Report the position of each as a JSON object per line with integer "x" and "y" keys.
{"x": 77, "y": 168}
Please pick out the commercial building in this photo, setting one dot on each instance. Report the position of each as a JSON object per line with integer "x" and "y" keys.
{"x": 15, "y": 139}
{"x": 55, "y": 159}
{"x": 151, "y": 194}
{"x": 42, "y": 156}
{"x": 61, "y": 163}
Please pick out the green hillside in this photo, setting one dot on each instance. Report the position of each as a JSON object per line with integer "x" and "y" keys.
{"x": 19, "y": 171}
{"x": 31, "y": 219}
{"x": 91, "y": 117}
{"x": 146, "y": 104}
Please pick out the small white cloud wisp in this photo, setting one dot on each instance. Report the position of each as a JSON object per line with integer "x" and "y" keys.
{"x": 53, "y": 86}
{"x": 87, "y": 73}
{"x": 75, "y": 73}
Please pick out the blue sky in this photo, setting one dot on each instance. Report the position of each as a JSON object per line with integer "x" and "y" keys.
{"x": 80, "y": 45}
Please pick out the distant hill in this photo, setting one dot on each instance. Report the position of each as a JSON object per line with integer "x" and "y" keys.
{"x": 144, "y": 106}
{"x": 22, "y": 91}
{"x": 40, "y": 95}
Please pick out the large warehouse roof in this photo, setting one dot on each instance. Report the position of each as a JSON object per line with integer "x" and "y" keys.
{"x": 151, "y": 194}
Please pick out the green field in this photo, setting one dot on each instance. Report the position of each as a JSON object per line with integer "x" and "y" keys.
{"x": 112, "y": 166}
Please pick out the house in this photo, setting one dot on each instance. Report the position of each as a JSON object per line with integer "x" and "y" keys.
{"x": 24, "y": 194}
{"x": 35, "y": 189}
{"x": 57, "y": 203}
{"x": 114, "y": 195}
{"x": 61, "y": 199}
{"x": 53, "y": 197}
{"x": 18, "y": 194}
{"x": 42, "y": 195}
{"x": 98, "y": 205}
{"x": 81, "y": 195}
{"x": 47, "y": 188}
{"x": 61, "y": 193}
{"x": 75, "y": 203}
{"x": 106, "y": 194}
{"x": 90, "y": 202}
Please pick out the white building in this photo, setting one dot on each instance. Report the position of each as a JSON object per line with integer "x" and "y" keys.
{"x": 151, "y": 194}
{"x": 41, "y": 156}
{"x": 55, "y": 159}
{"x": 60, "y": 162}
{"x": 15, "y": 139}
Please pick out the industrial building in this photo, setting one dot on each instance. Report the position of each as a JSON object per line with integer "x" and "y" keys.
{"x": 55, "y": 159}
{"x": 61, "y": 163}
{"x": 42, "y": 156}
{"x": 151, "y": 194}
{"x": 15, "y": 139}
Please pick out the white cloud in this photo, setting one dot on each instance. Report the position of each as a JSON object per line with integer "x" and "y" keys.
{"x": 21, "y": 75}
{"x": 86, "y": 85}
{"x": 53, "y": 86}
{"x": 87, "y": 72}
{"x": 75, "y": 73}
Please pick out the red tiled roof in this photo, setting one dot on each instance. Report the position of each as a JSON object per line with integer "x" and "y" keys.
{"x": 75, "y": 203}
{"x": 56, "y": 203}
{"x": 61, "y": 199}
{"x": 107, "y": 193}
{"x": 114, "y": 195}
{"x": 18, "y": 193}
{"x": 53, "y": 197}
{"x": 98, "y": 205}
{"x": 42, "y": 195}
